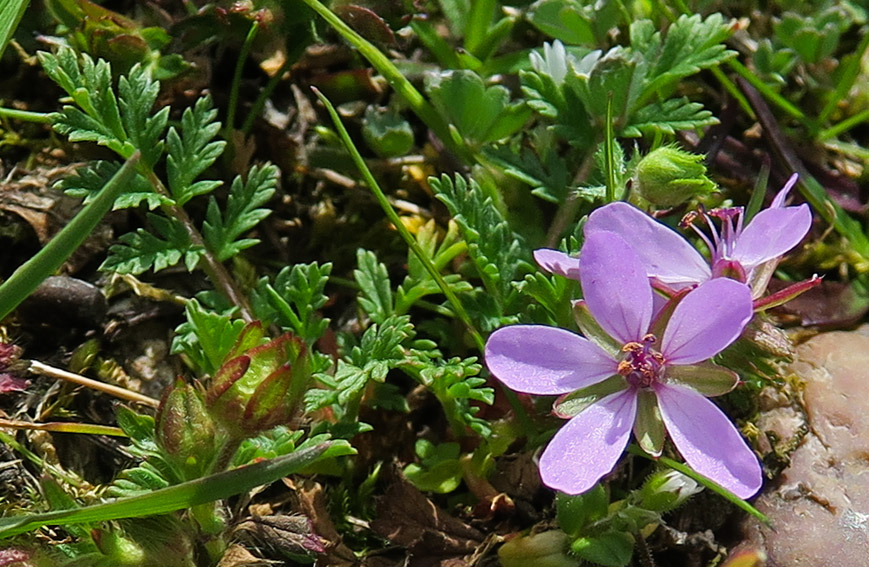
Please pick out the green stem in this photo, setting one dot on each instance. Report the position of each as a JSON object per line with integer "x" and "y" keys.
{"x": 609, "y": 152}
{"x": 844, "y": 125}
{"x": 34, "y": 271}
{"x": 848, "y": 76}
{"x": 260, "y": 102}
{"x": 232, "y": 106}
{"x": 766, "y": 91}
{"x": 710, "y": 484}
{"x": 397, "y": 81}
{"x": 25, "y": 116}
{"x": 399, "y": 226}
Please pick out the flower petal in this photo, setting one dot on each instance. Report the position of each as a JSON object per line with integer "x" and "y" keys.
{"x": 589, "y": 445}
{"x": 668, "y": 256}
{"x": 708, "y": 441}
{"x": 780, "y": 197}
{"x": 556, "y": 262}
{"x": 770, "y": 234}
{"x": 615, "y": 286}
{"x": 536, "y": 359}
{"x": 706, "y": 321}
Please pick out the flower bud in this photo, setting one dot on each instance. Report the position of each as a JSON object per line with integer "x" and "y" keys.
{"x": 185, "y": 430}
{"x": 666, "y": 490}
{"x": 669, "y": 176}
{"x": 259, "y": 387}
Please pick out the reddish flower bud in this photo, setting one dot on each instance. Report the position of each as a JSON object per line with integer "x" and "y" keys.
{"x": 259, "y": 387}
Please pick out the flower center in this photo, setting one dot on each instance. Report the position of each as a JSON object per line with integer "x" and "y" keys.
{"x": 642, "y": 366}
{"x": 722, "y": 245}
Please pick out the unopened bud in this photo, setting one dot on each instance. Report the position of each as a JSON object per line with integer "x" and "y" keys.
{"x": 259, "y": 387}
{"x": 669, "y": 176}
{"x": 666, "y": 490}
{"x": 185, "y": 430}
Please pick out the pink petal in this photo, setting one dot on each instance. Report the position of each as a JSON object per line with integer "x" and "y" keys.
{"x": 708, "y": 441}
{"x": 536, "y": 359}
{"x": 780, "y": 197}
{"x": 706, "y": 321}
{"x": 589, "y": 445}
{"x": 556, "y": 262}
{"x": 615, "y": 286}
{"x": 770, "y": 234}
{"x": 668, "y": 256}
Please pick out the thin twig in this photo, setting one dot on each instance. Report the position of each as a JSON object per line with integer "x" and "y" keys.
{"x": 45, "y": 370}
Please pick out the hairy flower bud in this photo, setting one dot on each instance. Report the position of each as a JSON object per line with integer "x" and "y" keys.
{"x": 185, "y": 430}
{"x": 258, "y": 387}
{"x": 669, "y": 176}
{"x": 666, "y": 490}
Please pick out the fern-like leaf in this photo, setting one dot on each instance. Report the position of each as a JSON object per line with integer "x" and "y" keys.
{"x": 243, "y": 212}
{"x": 192, "y": 151}
{"x": 140, "y": 251}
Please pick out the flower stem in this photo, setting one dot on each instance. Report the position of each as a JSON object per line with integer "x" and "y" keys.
{"x": 710, "y": 484}
{"x": 399, "y": 226}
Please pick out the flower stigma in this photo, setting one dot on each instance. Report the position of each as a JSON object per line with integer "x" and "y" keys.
{"x": 722, "y": 244}
{"x": 642, "y": 366}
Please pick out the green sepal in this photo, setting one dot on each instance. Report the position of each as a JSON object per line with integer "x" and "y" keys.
{"x": 593, "y": 331}
{"x": 649, "y": 425}
{"x": 572, "y": 404}
{"x": 659, "y": 324}
{"x": 707, "y": 379}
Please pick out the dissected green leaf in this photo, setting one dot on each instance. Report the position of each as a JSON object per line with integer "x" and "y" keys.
{"x": 140, "y": 251}
{"x": 294, "y": 298}
{"x": 375, "y": 289}
{"x": 206, "y": 337}
{"x": 192, "y": 151}
{"x": 242, "y": 212}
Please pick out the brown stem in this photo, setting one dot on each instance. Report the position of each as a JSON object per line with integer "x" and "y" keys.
{"x": 214, "y": 269}
{"x": 567, "y": 212}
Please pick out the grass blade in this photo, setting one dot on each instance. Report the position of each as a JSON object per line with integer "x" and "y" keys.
{"x": 11, "y": 12}
{"x": 45, "y": 262}
{"x": 180, "y": 496}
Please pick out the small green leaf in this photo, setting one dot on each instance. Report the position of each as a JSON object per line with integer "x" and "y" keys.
{"x": 242, "y": 212}
{"x": 480, "y": 114}
{"x": 192, "y": 151}
{"x": 612, "y": 549}
{"x": 206, "y": 337}
{"x": 575, "y": 512}
{"x": 375, "y": 295}
{"x": 387, "y": 133}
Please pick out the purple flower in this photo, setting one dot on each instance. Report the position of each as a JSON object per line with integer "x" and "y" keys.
{"x": 746, "y": 253}
{"x": 643, "y": 370}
